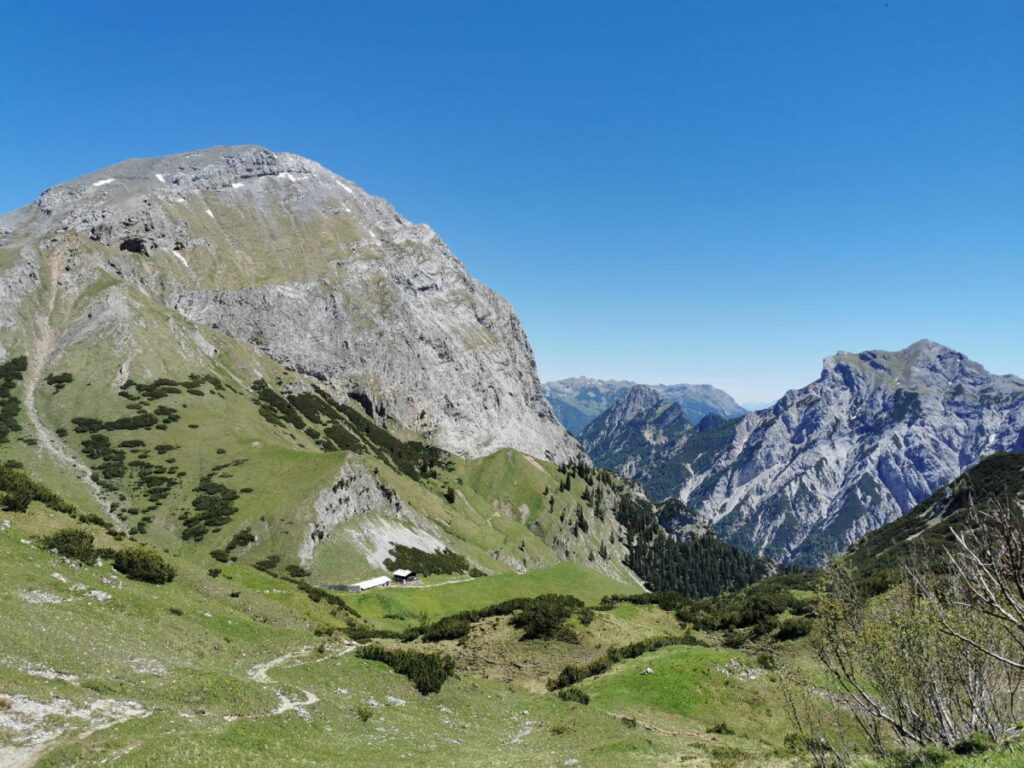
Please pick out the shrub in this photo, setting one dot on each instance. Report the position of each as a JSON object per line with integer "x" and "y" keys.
{"x": 545, "y": 616}
{"x": 73, "y": 543}
{"x": 213, "y": 504}
{"x": 973, "y": 744}
{"x": 363, "y": 632}
{"x": 316, "y": 594}
{"x": 419, "y": 561}
{"x": 734, "y": 639}
{"x": 448, "y": 628}
{"x": 794, "y": 743}
{"x": 20, "y": 489}
{"x": 143, "y": 564}
{"x": 426, "y": 671}
{"x": 791, "y": 629}
{"x": 268, "y": 563}
{"x": 722, "y": 729}
{"x": 574, "y": 694}
{"x": 364, "y": 712}
{"x": 924, "y": 757}
{"x": 17, "y": 500}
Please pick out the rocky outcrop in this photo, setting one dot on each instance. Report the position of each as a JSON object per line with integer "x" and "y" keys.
{"x": 16, "y": 285}
{"x": 277, "y": 251}
{"x": 370, "y": 514}
{"x": 579, "y": 400}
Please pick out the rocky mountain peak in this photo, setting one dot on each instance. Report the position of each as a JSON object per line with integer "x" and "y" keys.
{"x": 637, "y": 400}
{"x": 876, "y": 434}
{"x": 203, "y": 170}
{"x": 924, "y": 365}
{"x": 276, "y": 251}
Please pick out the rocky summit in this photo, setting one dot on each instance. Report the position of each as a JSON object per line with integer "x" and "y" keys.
{"x": 276, "y": 251}
{"x": 873, "y": 436}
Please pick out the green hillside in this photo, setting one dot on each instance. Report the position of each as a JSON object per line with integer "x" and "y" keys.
{"x": 924, "y": 532}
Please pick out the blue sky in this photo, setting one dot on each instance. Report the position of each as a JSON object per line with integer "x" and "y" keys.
{"x": 720, "y": 192}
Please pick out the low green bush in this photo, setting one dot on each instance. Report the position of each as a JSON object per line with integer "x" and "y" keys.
{"x": 420, "y": 561}
{"x": 426, "y": 671}
{"x": 975, "y": 743}
{"x": 545, "y": 617}
{"x": 792, "y": 629}
{"x": 577, "y": 695}
{"x": 143, "y": 564}
{"x": 73, "y": 543}
{"x": 448, "y": 628}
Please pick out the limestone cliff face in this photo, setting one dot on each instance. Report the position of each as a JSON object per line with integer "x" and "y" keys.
{"x": 873, "y": 436}
{"x": 277, "y": 251}
{"x": 371, "y": 515}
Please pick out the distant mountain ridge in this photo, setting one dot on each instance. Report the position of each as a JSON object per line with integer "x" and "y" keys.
{"x": 876, "y": 434}
{"x": 579, "y": 400}
{"x": 647, "y": 438}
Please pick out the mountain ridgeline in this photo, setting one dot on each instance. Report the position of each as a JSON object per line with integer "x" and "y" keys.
{"x": 875, "y": 435}
{"x": 578, "y": 401}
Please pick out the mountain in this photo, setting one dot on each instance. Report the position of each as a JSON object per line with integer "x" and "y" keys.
{"x": 649, "y": 439}
{"x": 238, "y": 354}
{"x": 877, "y": 433}
{"x": 276, "y": 251}
{"x": 578, "y": 401}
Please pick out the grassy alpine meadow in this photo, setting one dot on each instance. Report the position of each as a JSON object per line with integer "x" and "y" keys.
{"x": 228, "y": 670}
{"x": 471, "y": 594}
{"x": 717, "y": 691}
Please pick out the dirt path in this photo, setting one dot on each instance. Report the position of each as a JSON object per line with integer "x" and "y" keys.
{"x": 655, "y": 729}
{"x": 259, "y": 674}
{"x": 42, "y": 348}
{"x": 430, "y": 586}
